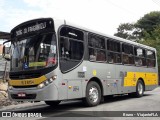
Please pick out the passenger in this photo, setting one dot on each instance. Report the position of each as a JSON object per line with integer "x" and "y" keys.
{"x": 101, "y": 56}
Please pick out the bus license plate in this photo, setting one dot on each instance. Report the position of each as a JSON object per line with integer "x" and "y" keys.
{"x": 21, "y": 94}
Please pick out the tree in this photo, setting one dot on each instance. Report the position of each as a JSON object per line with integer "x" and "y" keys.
{"x": 125, "y": 30}
{"x": 148, "y": 23}
{"x": 141, "y": 29}
{"x": 153, "y": 40}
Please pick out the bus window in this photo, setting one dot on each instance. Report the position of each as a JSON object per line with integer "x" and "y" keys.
{"x": 150, "y": 55}
{"x": 127, "y": 54}
{"x": 151, "y": 62}
{"x": 71, "y": 33}
{"x": 71, "y": 48}
{"x": 139, "y": 56}
{"x": 114, "y": 57}
{"x": 74, "y": 49}
{"x": 101, "y": 56}
{"x": 113, "y": 46}
{"x": 64, "y": 47}
{"x": 96, "y": 48}
{"x": 92, "y": 54}
{"x": 95, "y": 41}
{"x": 97, "y": 55}
{"x": 114, "y": 52}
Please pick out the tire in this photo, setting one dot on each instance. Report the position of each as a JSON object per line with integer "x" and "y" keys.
{"x": 93, "y": 94}
{"x": 52, "y": 103}
{"x": 139, "y": 89}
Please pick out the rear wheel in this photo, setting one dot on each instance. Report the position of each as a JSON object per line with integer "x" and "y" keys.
{"x": 139, "y": 89}
{"x": 52, "y": 103}
{"x": 93, "y": 94}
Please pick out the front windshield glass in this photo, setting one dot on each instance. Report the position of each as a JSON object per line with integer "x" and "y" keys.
{"x": 34, "y": 52}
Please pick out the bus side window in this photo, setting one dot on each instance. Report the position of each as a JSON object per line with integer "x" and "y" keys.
{"x": 71, "y": 47}
{"x": 101, "y": 56}
{"x": 96, "y": 47}
{"x": 139, "y": 56}
{"x": 125, "y": 59}
{"x": 110, "y": 57}
{"x": 92, "y": 54}
{"x": 128, "y": 57}
{"x": 151, "y": 62}
{"x": 114, "y": 52}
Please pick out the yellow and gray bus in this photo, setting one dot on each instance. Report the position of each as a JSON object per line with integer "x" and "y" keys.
{"x": 53, "y": 60}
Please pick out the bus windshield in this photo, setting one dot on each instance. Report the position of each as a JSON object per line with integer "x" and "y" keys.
{"x": 34, "y": 52}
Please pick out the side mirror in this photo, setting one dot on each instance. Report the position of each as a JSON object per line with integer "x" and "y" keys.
{"x": 6, "y": 51}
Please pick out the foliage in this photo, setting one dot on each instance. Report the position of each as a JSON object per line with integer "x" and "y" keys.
{"x": 127, "y": 31}
{"x": 148, "y": 23}
{"x": 153, "y": 40}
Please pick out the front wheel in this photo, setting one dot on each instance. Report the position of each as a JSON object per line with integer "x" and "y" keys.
{"x": 93, "y": 94}
{"x": 52, "y": 103}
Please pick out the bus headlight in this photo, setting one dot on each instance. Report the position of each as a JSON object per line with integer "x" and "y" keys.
{"x": 50, "y": 80}
{"x": 47, "y": 82}
{"x": 41, "y": 85}
{"x": 54, "y": 77}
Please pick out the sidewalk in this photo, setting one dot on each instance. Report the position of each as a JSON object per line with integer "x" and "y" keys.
{"x": 20, "y": 105}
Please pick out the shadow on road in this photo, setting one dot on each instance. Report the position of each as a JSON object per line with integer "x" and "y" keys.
{"x": 69, "y": 105}
{"x": 111, "y": 98}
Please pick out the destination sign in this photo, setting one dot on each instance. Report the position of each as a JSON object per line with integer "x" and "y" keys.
{"x": 32, "y": 27}
{"x": 36, "y": 27}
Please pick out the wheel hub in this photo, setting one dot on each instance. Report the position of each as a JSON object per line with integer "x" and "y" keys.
{"x": 93, "y": 94}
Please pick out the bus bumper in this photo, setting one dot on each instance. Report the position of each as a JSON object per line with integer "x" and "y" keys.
{"x": 46, "y": 93}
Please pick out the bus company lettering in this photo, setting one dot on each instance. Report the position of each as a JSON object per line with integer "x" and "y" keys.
{"x": 33, "y": 28}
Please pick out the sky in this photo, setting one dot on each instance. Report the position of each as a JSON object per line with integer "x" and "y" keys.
{"x": 99, "y": 15}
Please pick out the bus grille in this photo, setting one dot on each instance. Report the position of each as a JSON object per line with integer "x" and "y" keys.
{"x": 29, "y": 86}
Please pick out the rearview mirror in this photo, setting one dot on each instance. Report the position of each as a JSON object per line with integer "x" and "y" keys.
{"x": 6, "y": 50}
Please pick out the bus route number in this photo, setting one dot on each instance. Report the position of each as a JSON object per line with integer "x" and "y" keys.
{"x": 27, "y": 82}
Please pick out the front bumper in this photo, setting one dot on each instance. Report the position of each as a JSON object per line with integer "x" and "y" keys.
{"x": 47, "y": 93}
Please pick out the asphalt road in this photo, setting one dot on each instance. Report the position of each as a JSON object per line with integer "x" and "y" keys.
{"x": 75, "y": 110}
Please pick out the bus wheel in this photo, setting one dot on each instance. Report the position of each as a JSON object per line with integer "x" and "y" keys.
{"x": 139, "y": 89}
{"x": 52, "y": 103}
{"x": 93, "y": 94}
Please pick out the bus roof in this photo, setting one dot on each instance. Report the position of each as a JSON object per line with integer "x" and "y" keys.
{"x": 109, "y": 36}
{"x": 89, "y": 30}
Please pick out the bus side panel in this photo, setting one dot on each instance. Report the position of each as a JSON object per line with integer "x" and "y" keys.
{"x": 73, "y": 83}
{"x": 74, "y": 89}
{"x": 121, "y": 72}
{"x": 129, "y": 75}
{"x": 105, "y": 73}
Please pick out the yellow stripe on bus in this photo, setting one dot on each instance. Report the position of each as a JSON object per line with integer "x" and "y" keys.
{"x": 131, "y": 78}
{"x": 26, "y": 82}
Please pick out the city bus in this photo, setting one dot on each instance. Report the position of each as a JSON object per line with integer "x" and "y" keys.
{"x": 54, "y": 60}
